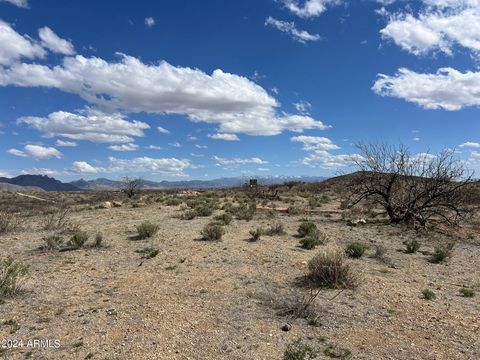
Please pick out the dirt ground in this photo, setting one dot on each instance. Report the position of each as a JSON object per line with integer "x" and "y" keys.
{"x": 217, "y": 300}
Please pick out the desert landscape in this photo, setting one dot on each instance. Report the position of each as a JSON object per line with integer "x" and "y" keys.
{"x": 149, "y": 282}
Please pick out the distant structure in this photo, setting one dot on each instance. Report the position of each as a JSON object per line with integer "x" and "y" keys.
{"x": 253, "y": 183}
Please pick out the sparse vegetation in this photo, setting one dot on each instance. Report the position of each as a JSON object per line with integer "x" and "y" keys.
{"x": 312, "y": 239}
{"x": 306, "y": 228}
{"x": 256, "y": 234}
{"x": 356, "y": 249}
{"x": 98, "y": 240}
{"x": 8, "y": 222}
{"x": 212, "y": 232}
{"x": 412, "y": 246}
{"x": 188, "y": 215}
{"x": 223, "y": 219}
{"x": 328, "y": 268}
{"x": 146, "y": 230}
{"x": 53, "y": 242}
{"x": 467, "y": 292}
{"x": 298, "y": 350}
{"x": 429, "y": 294}
{"x": 78, "y": 239}
{"x": 131, "y": 186}
{"x": 12, "y": 277}
{"x": 443, "y": 251}
{"x": 148, "y": 252}
{"x": 275, "y": 229}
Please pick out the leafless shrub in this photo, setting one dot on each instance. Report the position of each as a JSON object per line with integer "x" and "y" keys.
{"x": 131, "y": 186}
{"x": 12, "y": 277}
{"x": 58, "y": 221}
{"x": 9, "y": 222}
{"x": 411, "y": 187}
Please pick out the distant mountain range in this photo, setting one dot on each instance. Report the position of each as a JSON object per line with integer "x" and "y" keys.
{"x": 50, "y": 184}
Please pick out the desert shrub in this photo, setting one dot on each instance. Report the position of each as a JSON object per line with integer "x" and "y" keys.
{"x": 8, "y": 222}
{"x": 256, "y": 234}
{"x": 98, "y": 240}
{"x": 204, "y": 210}
{"x": 313, "y": 239}
{"x": 337, "y": 352}
{"x": 146, "y": 229}
{"x": 412, "y": 246}
{"x": 78, "y": 239}
{"x": 223, "y": 219}
{"x": 53, "y": 242}
{"x": 188, "y": 215}
{"x": 12, "y": 276}
{"x": 429, "y": 294}
{"x": 244, "y": 211}
{"x": 60, "y": 221}
{"x": 467, "y": 292}
{"x": 306, "y": 228}
{"x": 328, "y": 268}
{"x": 275, "y": 229}
{"x": 356, "y": 249}
{"x": 172, "y": 201}
{"x": 212, "y": 232}
{"x": 293, "y": 210}
{"x": 298, "y": 350}
{"x": 442, "y": 252}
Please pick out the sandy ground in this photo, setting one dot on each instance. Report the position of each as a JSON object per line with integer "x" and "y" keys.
{"x": 207, "y": 300}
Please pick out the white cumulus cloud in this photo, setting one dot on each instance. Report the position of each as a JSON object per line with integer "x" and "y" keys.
{"x": 37, "y": 152}
{"x": 309, "y": 8}
{"x": 14, "y": 46}
{"x": 223, "y": 136}
{"x": 291, "y": 29}
{"x": 82, "y": 167}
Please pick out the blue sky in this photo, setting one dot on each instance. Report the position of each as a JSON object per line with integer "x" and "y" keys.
{"x": 205, "y": 89}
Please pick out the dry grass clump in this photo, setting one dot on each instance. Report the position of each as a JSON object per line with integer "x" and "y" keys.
{"x": 275, "y": 229}
{"x": 244, "y": 211}
{"x": 188, "y": 215}
{"x": 329, "y": 268}
{"x": 256, "y": 234}
{"x": 146, "y": 230}
{"x": 12, "y": 277}
{"x": 53, "y": 242}
{"x": 78, "y": 239}
{"x": 8, "y": 222}
{"x": 298, "y": 350}
{"x": 442, "y": 251}
{"x": 412, "y": 246}
{"x": 223, "y": 219}
{"x": 212, "y": 232}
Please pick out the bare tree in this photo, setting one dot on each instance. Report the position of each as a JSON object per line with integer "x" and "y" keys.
{"x": 131, "y": 186}
{"x": 411, "y": 187}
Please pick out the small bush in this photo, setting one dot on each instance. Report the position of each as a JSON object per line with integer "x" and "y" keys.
{"x": 306, "y": 228}
{"x": 58, "y": 221}
{"x": 442, "y": 252}
{"x": 311, "y": 240}
{"x": 328, "y": 268}
{"x": 298, "y": 350}
{"x": 380, "y": 252}
{"x": 223, "y": 219}
{"x": 212, "y": 232}
{"x": 78, "y": 239}
{"x": 188, "y": 215}
{"x": 244, "y": 211}
{"x": 53, "y": 242}
{"x": 275, "y": 229}
{"x": 256, "y": 234}
{"x": 412, "y": 246}
{"x": 8, "y": 222}
{"x": 12, "y": 277}
{"x": 467, "y": 292}
{"x": 173, "y": 202}
{"x": 146, "y": 229}
{"x": 148, "y": 252}
{"x": 203, "y": 210}
{"x": 356, "y": 249}
{"x": 429, "y": 294}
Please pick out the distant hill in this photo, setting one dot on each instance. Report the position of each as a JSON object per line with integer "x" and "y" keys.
{"x": 5, "y": 187}
{"x": 106, "y": 184}
{"x": 40, "y": 181}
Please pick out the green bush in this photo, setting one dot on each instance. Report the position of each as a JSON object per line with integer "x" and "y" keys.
{"x": 204, "y": 210}
{"x": 297, "y": 350}
{"x": 146, "y": 229}
{"x": 429, "y": 294}
{"x": 223, "y": 219}
{"x": 12, "y": 276}
{"x": 212, "y": 232}
{"x": 356, "y": 249}
{"x": 328, "y": 268}
{"x": 78, "y": 239}
{"x": 442, "y": 252}
{"x": 306, "y": 228}
{"x": 412, "y": 246}
{"x": 244, "y": 211}
{"x": 173, "y": 201}
{"x": 188, "y": 215}
{"x": 256, "y": 234}
{"x": 467, "y": 292}
{"x": 53, "y": 242}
